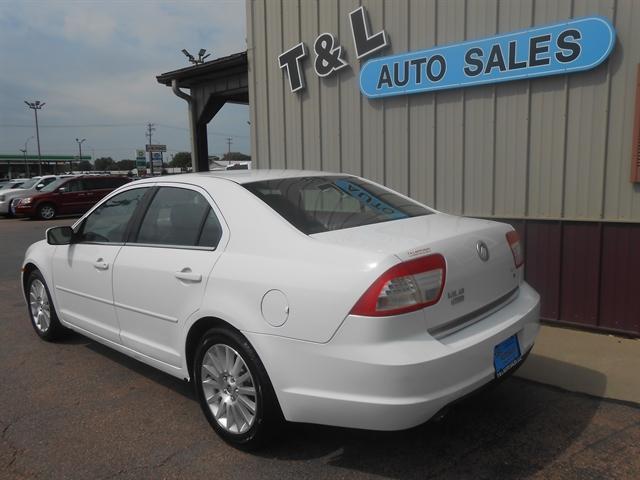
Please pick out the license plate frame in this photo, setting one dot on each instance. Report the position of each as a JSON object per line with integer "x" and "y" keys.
{"x": 506, "y": 355}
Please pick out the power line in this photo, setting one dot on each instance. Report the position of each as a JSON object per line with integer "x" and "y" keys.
{"x": 88, "y": 125}
{"x": 120, "y": 125}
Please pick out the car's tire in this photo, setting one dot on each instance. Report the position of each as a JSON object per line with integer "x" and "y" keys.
{"x": 47, "y": 211}
{"x": 42, "y": 313}
{"x": 228, "y": 388}
{"x": 12, "y": 207}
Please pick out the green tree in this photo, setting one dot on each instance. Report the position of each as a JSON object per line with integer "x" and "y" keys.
{"x": 105, "y": 163}
{"x": 181, "y": 160}
{"x": 236, "y": 156}
{"x": 126, "y": 164}
{"x": 85, "y": 165}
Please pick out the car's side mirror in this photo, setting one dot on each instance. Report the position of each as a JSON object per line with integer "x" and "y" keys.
{"x": 59, "y": 235}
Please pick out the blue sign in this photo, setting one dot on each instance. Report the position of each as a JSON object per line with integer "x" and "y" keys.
{"x": 556, "y": 49}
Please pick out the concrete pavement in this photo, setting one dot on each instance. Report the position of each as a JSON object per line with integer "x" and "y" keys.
{"x": 592, "y": 363}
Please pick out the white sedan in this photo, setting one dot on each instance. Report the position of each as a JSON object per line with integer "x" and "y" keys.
{"x": 305, "y": 296}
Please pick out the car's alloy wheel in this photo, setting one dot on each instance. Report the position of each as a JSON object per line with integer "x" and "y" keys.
{"x": 234, "y": 390}
{"x": 41, "y": 310}
{"x": 39, "y": 306}
{"x": 229, "y": 388}
{"x": 47, "y": 212}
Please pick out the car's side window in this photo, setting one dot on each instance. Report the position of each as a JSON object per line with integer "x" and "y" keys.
{"x": 211, "y": 231}
{"x": 45, "y": 182}
{"x": 108, "y": 222}
{"x": 179, "y": 217}
{"x": 101, "y": 183}
{"x": 74, "y": 186}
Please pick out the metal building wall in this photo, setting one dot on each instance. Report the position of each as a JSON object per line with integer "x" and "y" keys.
{"x": 550, "y": 148}
{"x": 551, "y": 155}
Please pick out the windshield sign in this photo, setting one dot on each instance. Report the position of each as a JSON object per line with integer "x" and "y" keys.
{"x": 323, "y": 203}
{"x": 369, "y": 199}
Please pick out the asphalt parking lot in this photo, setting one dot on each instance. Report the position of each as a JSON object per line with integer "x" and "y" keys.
{"x": 79, "y": 410}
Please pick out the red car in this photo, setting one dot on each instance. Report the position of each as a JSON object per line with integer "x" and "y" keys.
{"x": 69, "y": 196}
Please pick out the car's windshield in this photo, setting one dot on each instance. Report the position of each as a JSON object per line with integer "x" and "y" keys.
{"x": 320, "y": 204}
{"x": 53, "y": 185}
{"x": 29, "y": 183}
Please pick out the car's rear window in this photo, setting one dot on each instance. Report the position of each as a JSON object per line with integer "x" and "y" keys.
{"x": 320, "y": 204}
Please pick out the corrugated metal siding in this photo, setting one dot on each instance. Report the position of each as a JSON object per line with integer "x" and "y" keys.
{"x": 422, "y": 109}
{"x": 619, "y": 305}
{"x": 547, "y": 149}
{"x": 585, "y": 272}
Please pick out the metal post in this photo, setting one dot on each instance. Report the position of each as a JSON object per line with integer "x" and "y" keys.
{"x": 35, "y": 106}
{"x": 38, "y": 140}
{"x": 26, "y": 165}
{"x": 80, "y": 150}
{"x": 150, "y": 128}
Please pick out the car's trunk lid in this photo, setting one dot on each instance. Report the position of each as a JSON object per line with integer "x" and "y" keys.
{"x": 472, "y": 285}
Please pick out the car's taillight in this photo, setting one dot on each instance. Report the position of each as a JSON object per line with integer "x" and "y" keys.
{"x": 513, "y": 239}
{"x": 404, "y": 288}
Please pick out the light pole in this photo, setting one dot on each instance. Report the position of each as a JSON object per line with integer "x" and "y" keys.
{"x": 149, "y": 134}
{"x": 35, "y": 106}
{"x": 26, "y": 163}
{"x": 80, "y": 149}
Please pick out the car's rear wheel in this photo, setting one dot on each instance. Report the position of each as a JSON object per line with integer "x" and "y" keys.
{"x": 234, "y": 390}
{"x": 41, "y": 311}
{"x": 46, "y": 211}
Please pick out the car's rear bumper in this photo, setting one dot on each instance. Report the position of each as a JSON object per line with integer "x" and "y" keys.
{"x": 389, "y": 373}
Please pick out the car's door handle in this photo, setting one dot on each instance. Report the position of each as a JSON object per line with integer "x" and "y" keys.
{"x": 187, "y": 275}
{"x": 100, "y": 264}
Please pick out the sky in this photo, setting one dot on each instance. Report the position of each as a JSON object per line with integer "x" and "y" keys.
{"x": 94, "y": 63}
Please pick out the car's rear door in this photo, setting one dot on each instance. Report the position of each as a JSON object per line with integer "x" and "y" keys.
{"x": 161, "y": 273}
{"x": 83, "y": 271}
{"x": 99, "y": 187}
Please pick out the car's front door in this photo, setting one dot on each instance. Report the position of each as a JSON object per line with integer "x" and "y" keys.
{"x": 72, "y": 197}
{"x": 160, "y": 275}
{"x": 83, "y": 271}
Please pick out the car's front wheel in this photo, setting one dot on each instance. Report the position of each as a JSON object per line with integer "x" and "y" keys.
{"x": 46, "y": 211}
{"x": 234, "y": 390}
{"x": 41, "y": 311}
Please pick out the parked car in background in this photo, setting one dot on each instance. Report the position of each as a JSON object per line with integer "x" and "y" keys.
{"x": 317, "y": 297}
{"x": 10, "y": 198}
{"x": 68, "y": 196}
{"x": 14, "y": 183}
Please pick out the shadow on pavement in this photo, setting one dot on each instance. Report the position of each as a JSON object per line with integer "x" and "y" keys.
{"x": 512, "y": 430}
{"x": 139, "y": 368}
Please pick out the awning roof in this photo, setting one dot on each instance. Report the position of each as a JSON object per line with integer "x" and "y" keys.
{"x": 191, "y": 76}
